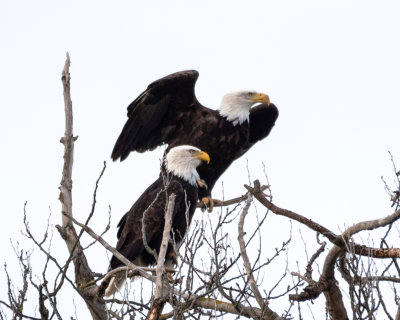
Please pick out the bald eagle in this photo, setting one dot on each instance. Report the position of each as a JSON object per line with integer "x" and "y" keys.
{"x": 181, "y": 179}
{"x": 167, "y": 112}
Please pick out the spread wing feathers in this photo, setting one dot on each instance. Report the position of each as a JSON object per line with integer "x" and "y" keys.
{"x": 130, "y": 236}
{"x": 152, "y": 114}
{"x": 262, "y": 119}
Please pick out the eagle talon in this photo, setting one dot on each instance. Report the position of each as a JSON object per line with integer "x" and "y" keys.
{"x": 202, "y": 184}
{"x": 208, "y": 202}
{"x": 170, "y": 277}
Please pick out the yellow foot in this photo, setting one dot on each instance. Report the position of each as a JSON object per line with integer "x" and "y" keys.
{"x": 170, "y": 277}
{"x": 202, "y": 184}
{"x": 208, "y": 202}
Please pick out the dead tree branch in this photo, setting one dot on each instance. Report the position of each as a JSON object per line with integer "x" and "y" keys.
{"x": 341, "y": 240}
{"x": 161, "y": 294}
{"x": 246, "y": 261}
{"x": 83, "y": 273}
{"x": 225, "y": 203}
{"x": 130, "y": 265}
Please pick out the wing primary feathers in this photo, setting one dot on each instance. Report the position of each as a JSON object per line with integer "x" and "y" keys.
{"x": 154, "y": 111}
{"x": 140, "y": 127}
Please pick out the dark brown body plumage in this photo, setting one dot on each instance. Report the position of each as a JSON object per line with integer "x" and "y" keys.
{"x": 130, "y": 237}
{"x": 168, "y": 112}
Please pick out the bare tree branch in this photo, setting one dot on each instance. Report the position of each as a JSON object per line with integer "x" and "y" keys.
{"x": 161, "y": 293}
{"x": 331, "y": 290}
{"x": 83, "y": 273}
{"x": 130, "y": 265}
{"x": 340, "y": 241}
{"x": 249, "y": 312}
{"x": 246, "y": 261}
{"x": 225, "y": 203}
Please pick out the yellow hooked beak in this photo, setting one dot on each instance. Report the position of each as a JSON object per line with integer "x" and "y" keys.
{"x": 203, "y": 156}
{"x": 261, "y": 97}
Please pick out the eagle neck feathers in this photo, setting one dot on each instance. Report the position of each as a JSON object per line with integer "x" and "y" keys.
{"x": 182, "y": 168}
{"x": 235, "y": 108}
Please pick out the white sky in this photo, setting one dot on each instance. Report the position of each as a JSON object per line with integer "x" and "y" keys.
{"x": 331, "y": 67}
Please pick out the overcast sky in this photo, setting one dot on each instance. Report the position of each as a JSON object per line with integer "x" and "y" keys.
{"x": 331, "y": 67}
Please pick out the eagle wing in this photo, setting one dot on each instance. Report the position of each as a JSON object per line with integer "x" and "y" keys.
{"x": 152, "y": 114}
{"x": 262, "y": 119}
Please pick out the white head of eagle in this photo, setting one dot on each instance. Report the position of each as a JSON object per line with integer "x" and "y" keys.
{"x": 182, "y": 162}
{"x": 235, "y": 106}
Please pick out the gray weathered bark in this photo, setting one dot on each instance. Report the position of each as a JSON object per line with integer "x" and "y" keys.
{"x": 83, "y": 274}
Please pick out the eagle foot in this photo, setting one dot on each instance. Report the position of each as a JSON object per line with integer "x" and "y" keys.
{"x": 208, "y": 202}
{"x": 202, "y": 184}
{"x": 170, "y": 277}
{"x": 172, "y": 257}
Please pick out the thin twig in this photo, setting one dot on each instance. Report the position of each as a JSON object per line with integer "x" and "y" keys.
{"x": 245, "y": 257}
{"x": 115, "y": 252}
